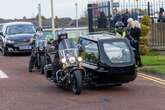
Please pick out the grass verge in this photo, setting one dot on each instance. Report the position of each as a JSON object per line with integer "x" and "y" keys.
{"x": 153, "y": 64}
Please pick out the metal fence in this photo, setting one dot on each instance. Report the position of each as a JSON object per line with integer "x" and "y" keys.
{"x": 100, "y": 15}
{"x": 157, "y": 36}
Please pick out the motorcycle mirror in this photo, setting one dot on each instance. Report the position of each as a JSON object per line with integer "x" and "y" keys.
{"x": 79, "y": 46}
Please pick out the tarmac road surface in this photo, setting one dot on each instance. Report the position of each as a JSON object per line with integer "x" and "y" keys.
{"x": 20, "y": 90}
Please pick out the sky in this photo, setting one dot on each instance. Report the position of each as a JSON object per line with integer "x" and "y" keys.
{"x": 10, "y": 9}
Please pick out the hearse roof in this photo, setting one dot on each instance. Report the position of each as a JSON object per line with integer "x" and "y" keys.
{"x": 99, "y": 36}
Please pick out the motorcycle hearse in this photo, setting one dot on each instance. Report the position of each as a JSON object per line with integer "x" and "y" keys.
{"x": 107, "y": 59}
{"x": 102, "y": 59}
{"x": 70, "y": 73}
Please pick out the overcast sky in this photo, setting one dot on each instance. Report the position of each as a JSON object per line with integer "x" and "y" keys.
{"x": 19, "y": 8}
{"x": 62, "y": 8}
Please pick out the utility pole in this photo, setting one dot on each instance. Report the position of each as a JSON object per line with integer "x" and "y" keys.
{"x": 39, "y": 16}
{"x": 53, "y": 22}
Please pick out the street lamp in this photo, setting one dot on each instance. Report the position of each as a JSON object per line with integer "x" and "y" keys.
{"x": 53, "y": 22}
{"x": 77, "y": 24}
{"x": 39, "y": 16}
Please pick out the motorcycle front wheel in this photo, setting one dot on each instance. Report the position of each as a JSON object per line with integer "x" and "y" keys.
{"x": 77, "y": 82}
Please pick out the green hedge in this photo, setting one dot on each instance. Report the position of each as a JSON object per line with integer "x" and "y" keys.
{"x": 145, "y": 29}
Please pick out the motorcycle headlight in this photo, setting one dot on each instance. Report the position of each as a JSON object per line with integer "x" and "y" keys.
{"x": 63, "y": 60}
{"x": 72, "y": 60}
{"x": 10, "y": 41}
{"x": 80, "y": 59}
{"x": 41, "y": 48}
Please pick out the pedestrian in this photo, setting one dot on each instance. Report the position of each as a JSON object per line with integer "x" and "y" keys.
{"x": 102, "y": 21}
{"x": 119, "y": 30}
{"x": 117, "y": 17}
{"x": 134, "y": 14}
{"x": 132, "y": 33}
{"x": 136, "y": 35}
{"x": 126, "y": 15}
{"x": 129, "y": 30}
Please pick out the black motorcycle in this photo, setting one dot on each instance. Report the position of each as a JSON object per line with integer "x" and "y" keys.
{"x": 40, "y": 57}
{"x": 70, "y": 74}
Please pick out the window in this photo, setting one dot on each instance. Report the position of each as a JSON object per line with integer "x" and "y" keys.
{"x": 91, "y": 52}
{"x": 117, "y": 52}
{"x": 20, "y": 29}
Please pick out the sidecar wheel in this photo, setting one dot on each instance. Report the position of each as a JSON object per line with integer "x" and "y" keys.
{"x": 77, "y": 82}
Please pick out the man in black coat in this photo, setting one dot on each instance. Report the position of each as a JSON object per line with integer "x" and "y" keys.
{"x": 56, "y": 61}
{"x": 136, "y": 33}
{"x": 125, "y": 17}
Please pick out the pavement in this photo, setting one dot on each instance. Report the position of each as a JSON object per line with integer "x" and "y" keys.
{"x": 21, "y": 90}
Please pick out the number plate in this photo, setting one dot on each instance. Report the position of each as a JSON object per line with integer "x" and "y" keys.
{"x": 25, "y": 47}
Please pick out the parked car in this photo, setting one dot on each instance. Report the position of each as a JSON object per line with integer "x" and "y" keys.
{"x": 108, "y": 60}
{"x": 15, "y": 37}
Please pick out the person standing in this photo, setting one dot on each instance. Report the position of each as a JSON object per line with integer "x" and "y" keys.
{"x": 117, "y": 17}
{"x": 136, "y": 35}
{"x": 119, "y": 30}
{"x": 130, "y": 31}
{"x": 126, "y": 15}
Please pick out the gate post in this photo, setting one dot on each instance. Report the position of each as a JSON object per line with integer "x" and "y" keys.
{"x": 90, "y": 17}
{"x": 148, "y": 6}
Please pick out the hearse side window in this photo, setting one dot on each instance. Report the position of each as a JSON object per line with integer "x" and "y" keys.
{"x": 83, "y": 42}
{"x": 91, "y": 52}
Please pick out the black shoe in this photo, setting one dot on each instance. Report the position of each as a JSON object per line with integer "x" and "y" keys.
{"x": 30, "y": 70}
{"x": 140, "y": 65}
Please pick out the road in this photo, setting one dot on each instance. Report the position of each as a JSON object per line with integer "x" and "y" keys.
{"x": 20, "y": 90}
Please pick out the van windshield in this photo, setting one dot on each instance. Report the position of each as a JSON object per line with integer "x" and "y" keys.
{"x": 20, "y": 29}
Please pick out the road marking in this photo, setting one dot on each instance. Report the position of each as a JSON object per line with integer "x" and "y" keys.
{"x": 155, "y": 79}
{"x": 3, "y": 75}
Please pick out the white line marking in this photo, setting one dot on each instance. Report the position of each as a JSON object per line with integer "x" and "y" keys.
{"x": 3, "y": 75}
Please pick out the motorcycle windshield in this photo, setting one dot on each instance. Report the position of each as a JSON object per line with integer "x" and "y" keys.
{"x": 68, "y": 51}
{"x": 40, "y": 42}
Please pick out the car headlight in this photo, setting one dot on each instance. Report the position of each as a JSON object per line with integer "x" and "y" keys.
{"x": 63, "y": 60}
{"x": 80, "y": 59}
{"x": 72, "y": 60}
{"x": 10, "y": 41}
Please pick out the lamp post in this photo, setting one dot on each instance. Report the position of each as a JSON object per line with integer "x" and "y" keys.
{"x": 77, "y": 23}
{"x": 53, "y": 22}
{"x": 39, "y": 16}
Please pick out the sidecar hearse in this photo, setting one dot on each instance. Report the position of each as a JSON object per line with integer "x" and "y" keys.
{"x": 108, "y": 60}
